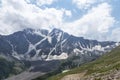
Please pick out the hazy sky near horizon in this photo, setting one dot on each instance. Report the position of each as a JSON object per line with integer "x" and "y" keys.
{"x": 92, "y": 19}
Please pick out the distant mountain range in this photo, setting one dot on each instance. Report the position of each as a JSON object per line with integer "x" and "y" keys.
{"x": 42, "y": 48}
{"x": 31, "y": 44}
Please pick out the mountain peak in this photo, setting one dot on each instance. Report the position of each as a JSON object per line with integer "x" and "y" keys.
{"x": 39, "y": 44}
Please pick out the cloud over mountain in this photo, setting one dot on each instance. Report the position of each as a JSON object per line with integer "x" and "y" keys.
{"x": 95, "y": 19}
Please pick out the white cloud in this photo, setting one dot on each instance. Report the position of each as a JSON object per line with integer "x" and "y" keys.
{"x": 87, "y": 4}
{"x": 84, "y": 4}
{"x": 115, "y": 34}
{"x": 16, "y": 15}
{"x": 41, "y": 2}
{"x": 68, "y": 13}
{"x": 44, "y": 2}
{"x": 95, "y": 24}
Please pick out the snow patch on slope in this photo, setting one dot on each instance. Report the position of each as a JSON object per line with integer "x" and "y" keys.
{"x": 39, "y": 33}
{"x": 58, "y": 57}
{"x": 98, "y": 47}
{"x": 49, "y": 39}
{"x": 77, "y": 51}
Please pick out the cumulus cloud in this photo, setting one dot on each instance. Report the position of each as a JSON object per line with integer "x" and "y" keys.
{"x": 41, "y": 2}
{"x": 87, "y": 4}
{"x": 68, "y": 13}
{"x": 115, "y": 34}
{"x": 94, "y": 24}
{"x": 84, "y": 4}
{"x": 44, "y": 2}
{"x": 16, "y": 15}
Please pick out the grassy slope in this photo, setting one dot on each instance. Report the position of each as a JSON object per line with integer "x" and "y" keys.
{"x": 109, "y": 61}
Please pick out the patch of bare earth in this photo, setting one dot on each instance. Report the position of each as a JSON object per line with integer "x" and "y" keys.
{"x": 74, "y": 76}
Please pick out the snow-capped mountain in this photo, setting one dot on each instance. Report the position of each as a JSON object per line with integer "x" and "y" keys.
{"x": 31, "y": 44}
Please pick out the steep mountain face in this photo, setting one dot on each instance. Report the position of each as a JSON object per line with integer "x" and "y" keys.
{"x": 32, "y": 45}
{"x": 39, "y": 49}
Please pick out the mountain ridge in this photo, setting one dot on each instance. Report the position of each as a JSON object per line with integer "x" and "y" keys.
{"x": 39, "y": 49}
{"x": 31, "y": 44}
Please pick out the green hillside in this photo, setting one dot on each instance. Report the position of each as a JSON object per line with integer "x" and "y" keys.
{"x": 99, "y": 69}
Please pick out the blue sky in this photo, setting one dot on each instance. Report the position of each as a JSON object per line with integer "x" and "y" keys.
{"x": 92, "y": 19}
